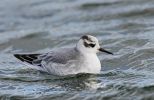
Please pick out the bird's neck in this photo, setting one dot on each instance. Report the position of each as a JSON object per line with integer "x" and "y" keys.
{"x": 89, "y": 54}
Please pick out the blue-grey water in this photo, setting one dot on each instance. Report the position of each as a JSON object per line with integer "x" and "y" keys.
{"x": 125, "y": 27}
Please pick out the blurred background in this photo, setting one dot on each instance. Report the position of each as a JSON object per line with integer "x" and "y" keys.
{"x": 125, "y": 27}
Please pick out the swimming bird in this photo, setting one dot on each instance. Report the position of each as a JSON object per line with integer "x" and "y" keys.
{"x": 81, "y": 58}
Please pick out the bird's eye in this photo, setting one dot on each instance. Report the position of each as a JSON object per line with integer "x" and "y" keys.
{"x": 92, "y": 45}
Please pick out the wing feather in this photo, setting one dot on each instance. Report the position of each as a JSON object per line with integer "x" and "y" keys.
{"x": 58, "y": 58}
{"x": 36, "y": 59}
{"x": 29, "y": 58}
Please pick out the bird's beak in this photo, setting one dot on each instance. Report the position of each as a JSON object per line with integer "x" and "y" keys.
{"x": 103, "y": 50}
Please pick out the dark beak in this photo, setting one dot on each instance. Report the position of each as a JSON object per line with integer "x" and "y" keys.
{"x": 103, "y": 50}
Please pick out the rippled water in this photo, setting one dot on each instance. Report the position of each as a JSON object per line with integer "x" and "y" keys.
{"x": 125, "y": 27}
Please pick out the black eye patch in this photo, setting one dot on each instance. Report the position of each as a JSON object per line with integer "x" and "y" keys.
{"x": 89, "y": 45}
{"x": 92, "y": 45}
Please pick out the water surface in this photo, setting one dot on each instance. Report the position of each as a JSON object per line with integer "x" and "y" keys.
{"x": 125, "y": 27}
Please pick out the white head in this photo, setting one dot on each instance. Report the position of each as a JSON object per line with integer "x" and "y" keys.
{"x": 89, "y": 44}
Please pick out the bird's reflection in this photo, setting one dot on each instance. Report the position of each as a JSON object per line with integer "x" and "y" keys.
{"x": 79, "y": 82}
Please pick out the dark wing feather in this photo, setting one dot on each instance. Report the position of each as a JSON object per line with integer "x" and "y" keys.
{"x": 29, "y": 58}
{"x": 61, "y": 57}
{"x": 36, "y": 59}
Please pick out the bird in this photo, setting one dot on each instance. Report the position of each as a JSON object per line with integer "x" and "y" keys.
{"x": 82, "y": 58}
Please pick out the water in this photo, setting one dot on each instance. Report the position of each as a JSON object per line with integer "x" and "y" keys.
{"x": 125, "y": 27}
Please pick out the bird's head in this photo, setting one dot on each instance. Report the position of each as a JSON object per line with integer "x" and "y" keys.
{"x": 90, "y": 44}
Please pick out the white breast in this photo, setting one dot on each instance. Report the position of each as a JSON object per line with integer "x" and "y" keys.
{"x": 91, "y": 64}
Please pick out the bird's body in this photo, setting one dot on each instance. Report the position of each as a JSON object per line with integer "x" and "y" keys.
{"x": 65, "y": 61}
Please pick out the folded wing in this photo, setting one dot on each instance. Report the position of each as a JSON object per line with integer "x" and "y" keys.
{"x": 52, "y": 62}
